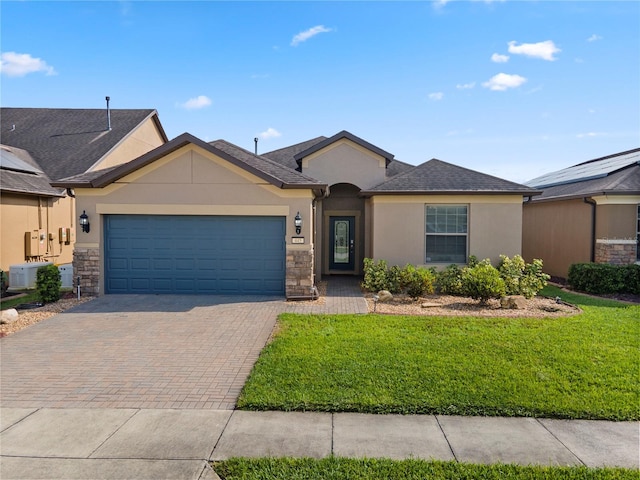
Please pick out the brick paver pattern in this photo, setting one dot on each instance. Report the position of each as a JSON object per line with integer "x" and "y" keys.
{"x": 149, "y": 351}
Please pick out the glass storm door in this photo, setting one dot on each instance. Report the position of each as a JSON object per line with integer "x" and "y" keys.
{"x": 341, "y": 243}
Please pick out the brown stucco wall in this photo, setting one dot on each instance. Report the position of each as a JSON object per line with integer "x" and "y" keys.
{"x": 399, "y": 226}
{"x": 616, "y": 221}
{"x": 192, "y": 181}
{"x": 143, "y": 139}
{"x": 27, "y": 213}
{"x": 557, "y": 232}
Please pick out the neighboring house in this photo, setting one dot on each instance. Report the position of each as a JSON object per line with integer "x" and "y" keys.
{"x": 197, "y": 217}
{"x": 38, "y": 146}
{"x": 589, "y": 212}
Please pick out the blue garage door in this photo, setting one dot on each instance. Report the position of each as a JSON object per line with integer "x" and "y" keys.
{"x": 194, "y": 254}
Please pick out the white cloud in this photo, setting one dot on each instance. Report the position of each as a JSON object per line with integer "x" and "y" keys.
{"x": 594, "y": 38}
{"x": 307, "y": 34}
{"x": 14, "y": 64}
{"x": 270, "y": 133}
{"x": 497, "y": 58}
{"x": 590, "y": 135}
{"x": 544, "y": 50}
{"x": 466, "y": 86}
{"x": 436, "y": 96}
{"x": 201, "y": 101}
{"x": 440, "y": 3}
{"x": 503, "y": 81}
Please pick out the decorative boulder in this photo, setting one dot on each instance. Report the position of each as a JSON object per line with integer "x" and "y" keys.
{"x": 9, "y": 315}
{"x": 384, "y": 296}
{"x": 513, "y": 302}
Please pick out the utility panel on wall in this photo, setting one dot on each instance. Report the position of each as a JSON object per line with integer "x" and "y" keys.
{"x": 32, "y": 243}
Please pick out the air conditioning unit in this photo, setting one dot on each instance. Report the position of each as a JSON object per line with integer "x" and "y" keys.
{"x": 23, "y": 275}
{"x": 66, "y": 275}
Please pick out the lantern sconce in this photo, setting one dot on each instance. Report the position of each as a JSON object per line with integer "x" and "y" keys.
{"x": 84, "y": 222}
{"x": 297, "y": 221}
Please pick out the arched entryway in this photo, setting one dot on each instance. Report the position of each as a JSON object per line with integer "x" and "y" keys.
{"x": 343, "y": 230}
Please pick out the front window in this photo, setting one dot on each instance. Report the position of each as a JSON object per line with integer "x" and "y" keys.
{"x": 446, "y": 231}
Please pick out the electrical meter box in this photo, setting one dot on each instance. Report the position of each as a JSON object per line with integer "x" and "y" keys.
{"x": 32, "y": 244}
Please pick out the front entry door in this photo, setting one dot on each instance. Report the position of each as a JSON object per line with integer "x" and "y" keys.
{"x": 342, "y": 243}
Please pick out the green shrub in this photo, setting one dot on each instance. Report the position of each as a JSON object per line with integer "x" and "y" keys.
{"x": 482, "y": 282}
{"x": 4, "y": 282}
{"x": 48, "y": 283}
{"x": 449, "y": 280}
{"x": 602, "y": 278}
{"x": 522, "y": 278}
{"x": 394, "y": 279}
{"x": 417, "y": 281}
{"x": 375, "y": 275}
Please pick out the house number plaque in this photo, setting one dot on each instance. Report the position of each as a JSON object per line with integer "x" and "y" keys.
{"x": 297, "y": 239}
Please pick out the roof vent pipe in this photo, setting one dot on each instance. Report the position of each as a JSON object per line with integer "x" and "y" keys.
{"x": 255, "y": 140}
{"x": 108, "y": 114}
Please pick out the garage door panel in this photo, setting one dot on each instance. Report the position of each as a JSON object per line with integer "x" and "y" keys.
{"x": 194, "y": 254}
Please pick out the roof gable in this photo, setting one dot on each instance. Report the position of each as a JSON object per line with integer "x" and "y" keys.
{"x": 339, "y": 136}
{"x": 264, "y": 168}
{"x": 436, "y": 176}
{"x": 67, "y": 142}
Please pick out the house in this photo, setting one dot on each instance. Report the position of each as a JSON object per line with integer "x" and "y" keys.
{"x": 198, "y": 217}
{"x": 589, "y": 212}
{"x": 38, "y": 146}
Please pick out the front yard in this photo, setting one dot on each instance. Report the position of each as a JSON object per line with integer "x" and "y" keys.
{"x": 582, "y": 366}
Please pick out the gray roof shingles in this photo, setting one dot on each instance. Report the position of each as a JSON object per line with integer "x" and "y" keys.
{"x": 269, "y": 170}
{"x": 622, "y": 182}
{"x": 30, "y": 180}
{"x": 436, "y": 176}
{"x": 67, "y": 142}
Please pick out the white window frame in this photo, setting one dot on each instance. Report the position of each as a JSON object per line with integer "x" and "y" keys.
{"x": 428, "y": 234}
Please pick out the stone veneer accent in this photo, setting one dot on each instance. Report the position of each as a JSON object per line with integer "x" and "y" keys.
{"x": 86, "y": 265}
{"x": 299, "y": 273}
{"x": 615, "y": 252}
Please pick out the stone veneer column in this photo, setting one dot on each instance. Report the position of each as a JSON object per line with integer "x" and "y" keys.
{"x": 86, "y": 265}
{"x": 615, "y": 252}
{"x": 299, "y": 273}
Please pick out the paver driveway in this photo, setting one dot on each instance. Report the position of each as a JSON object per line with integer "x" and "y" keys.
{"x": 138, "y": 351}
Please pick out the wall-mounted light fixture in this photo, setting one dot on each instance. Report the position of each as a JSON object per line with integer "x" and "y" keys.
{"x": 84, "y": 222}
{"x": 298, "y": 223}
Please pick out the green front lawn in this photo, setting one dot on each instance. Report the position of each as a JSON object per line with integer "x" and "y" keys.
{"x": 346, "y": 469}
{"x": 584, "y": 366}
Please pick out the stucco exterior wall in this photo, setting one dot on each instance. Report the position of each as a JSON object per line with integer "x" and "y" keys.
{"x": 191, "y": 181}
{"x": 346, "y": 162}
{"x": 557, "y": 232}
{"x": 617, "y": 221}
{"x": 142, "y": 140}
{"x": 26, "y": 213}
{"x": 399, "y": 235}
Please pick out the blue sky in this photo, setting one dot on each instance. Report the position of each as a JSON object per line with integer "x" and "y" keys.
{"x": 510, "y": 88}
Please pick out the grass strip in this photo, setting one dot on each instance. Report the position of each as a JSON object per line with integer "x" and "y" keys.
{"x": 351, "y": 469}
{"x": 584, "y": 366}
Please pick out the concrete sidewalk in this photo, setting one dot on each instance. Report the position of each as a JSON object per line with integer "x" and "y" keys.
{"x": 177, "y": 444}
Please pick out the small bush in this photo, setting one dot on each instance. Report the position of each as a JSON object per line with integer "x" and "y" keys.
{"x": 482, "y": 282}
{"x": 394, "y": 279}
{"x": 48, "y": 283}
{"x": 449, "y": 280}
{"x": 602, "y": 278}
{"x": 4, "y": 282}
{"x": 417, "y": 281}
{"x": 522, "y": 278}
{"x": 375, "y": 275}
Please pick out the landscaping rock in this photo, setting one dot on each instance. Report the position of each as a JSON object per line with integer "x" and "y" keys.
{"x": 9, "y": 315}
{"x": 429, "y": 305}
{"x": 384, "y": 296}
{"x": 514, "y": 302}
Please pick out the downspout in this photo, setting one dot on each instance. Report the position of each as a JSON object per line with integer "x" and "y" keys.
{"x": 593, "y": 204}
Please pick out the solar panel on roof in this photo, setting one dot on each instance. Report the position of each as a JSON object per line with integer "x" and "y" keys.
{"x": 10, "y": 161}
{"x": 586, "y": 171}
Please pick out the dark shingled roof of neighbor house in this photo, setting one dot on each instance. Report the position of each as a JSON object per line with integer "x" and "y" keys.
{"x": 436, "y": 176}
{"x": 19, "y": 173}
{"x": 66, "y": 141}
